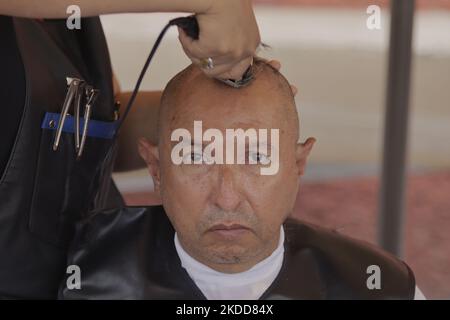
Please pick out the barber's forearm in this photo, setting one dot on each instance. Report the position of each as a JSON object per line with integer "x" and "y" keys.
{"x": 57, "y": 8}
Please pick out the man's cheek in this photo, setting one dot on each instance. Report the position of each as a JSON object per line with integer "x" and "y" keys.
{"x": 276, "y": 192}
{"x": 268, "y": 183}
{"x": 190, "y": 191}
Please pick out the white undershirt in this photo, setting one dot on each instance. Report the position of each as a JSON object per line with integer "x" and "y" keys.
{"x": 247, "y": 285}
{"x": 418, "y": 295}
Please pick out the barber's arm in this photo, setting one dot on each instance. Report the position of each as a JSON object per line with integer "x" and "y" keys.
{"x": 228, "y": 30}
{"x": 57, "y": 8}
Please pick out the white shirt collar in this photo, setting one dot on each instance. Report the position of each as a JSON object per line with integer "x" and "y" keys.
{"x": 247, "y": 285}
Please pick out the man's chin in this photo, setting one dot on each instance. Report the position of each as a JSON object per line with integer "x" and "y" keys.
{"x": 224, "y": 261}
{"x": 229, "y": 243}
{"x": 228, "y": 255}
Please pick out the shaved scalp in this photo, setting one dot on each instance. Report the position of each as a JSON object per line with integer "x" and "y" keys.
{"x": 180, "y": 87}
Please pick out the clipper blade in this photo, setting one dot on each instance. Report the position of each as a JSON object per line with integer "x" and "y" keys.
{"x": 246, "y": 79}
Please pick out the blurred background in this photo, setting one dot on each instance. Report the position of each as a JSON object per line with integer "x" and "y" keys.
{"x": 340, "y": 68}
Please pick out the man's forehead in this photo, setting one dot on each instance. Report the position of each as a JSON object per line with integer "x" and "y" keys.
{"x": 220, "y": 115}
{"x": 264, "y": 104}
{"x": 212, "y": 100}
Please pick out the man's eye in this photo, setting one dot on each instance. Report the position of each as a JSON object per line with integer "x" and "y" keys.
{"x": 259, "y": 158}
{"x": 196, "y": 156}
{"x": 192, "y": 157}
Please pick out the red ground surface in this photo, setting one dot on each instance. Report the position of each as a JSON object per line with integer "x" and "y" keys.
{"x": 350, "y": 206}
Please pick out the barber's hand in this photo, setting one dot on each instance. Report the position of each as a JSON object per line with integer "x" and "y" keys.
{"x": 229, "y": 35}
{"x": 277, "y": 65}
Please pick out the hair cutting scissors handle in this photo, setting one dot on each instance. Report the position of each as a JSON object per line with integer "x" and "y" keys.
{"x": 73, "y": 84}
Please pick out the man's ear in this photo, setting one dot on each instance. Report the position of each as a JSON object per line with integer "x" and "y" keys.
{"x": 150, "y": 154}
{"x": 302, "y": 152}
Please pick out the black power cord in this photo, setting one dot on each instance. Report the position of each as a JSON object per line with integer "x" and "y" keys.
{"x": 190, "y": 26}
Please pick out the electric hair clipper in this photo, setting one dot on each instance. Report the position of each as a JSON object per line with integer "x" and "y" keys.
{"x": 190, "y": 26}
{"x": 192, "y": 29}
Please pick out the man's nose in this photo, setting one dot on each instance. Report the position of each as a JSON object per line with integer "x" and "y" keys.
{"x": 226, "y": 192}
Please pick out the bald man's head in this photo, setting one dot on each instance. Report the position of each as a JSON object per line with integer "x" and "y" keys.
{"x": 192, "y": 84}
{"x": 200, "y": 192}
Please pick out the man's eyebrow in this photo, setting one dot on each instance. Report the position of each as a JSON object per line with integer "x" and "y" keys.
{"x": 185, "y": 141}
{"x": 205, "y": 143}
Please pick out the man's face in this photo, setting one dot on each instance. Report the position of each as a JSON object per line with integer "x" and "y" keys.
{"x": 228, "y": 216}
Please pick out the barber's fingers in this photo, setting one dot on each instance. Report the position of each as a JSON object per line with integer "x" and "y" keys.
{"x": 194, "y": 51}
{"x": 214, "y": 72}
{"x": 235, "y": 71}
{"x": 188, "y": 44}
{"x": 277, "y": 65}
{"x": 197, "y": 57}
{"x": 228, "y": 33}
{"x": 294, "y": 90}
{"x": 226, "y": 65}
{"x": 309, "y": 143}
{"x": 222, "y": 71}
{"x": 227, "y": 71}
{"x": 216, "y": 41}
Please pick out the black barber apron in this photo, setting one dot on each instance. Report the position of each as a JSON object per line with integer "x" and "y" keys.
{"x": 129, "y": 253}
{"x": 44, "y": 192}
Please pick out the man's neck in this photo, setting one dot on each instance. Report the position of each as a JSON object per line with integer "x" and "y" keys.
{"x": 232, "y": 268}
{"x": 245, "y": 284}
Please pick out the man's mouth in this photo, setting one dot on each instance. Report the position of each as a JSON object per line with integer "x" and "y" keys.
{"x": 229, "y": 230}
